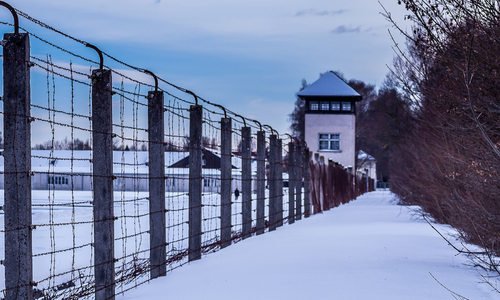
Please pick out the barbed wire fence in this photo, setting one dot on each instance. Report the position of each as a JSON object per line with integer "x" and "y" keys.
{"x": 138, "y": 177}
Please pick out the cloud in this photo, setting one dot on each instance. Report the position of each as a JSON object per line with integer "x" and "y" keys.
{"x": 315, "y": 12}
{"x": 344, "y": 29}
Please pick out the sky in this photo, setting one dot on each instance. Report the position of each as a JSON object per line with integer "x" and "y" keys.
{"x": 249, "y": 56}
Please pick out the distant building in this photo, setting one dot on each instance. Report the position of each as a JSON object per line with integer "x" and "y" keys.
{"x": 330, "y": 119}
{"x": 367, "y": 164}
{"x": 72, "y": 170}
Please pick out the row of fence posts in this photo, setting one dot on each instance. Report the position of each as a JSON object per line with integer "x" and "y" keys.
{"x": 17, "y": 169}
{"x": 332, "y": 185}
{"x": 298, "y": 169}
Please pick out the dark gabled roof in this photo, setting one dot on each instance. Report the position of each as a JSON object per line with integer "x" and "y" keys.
{"x": 329, "y": 85}
{"x": 212, "y": 161}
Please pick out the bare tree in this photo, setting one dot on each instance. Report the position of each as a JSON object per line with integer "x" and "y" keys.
{"x": 65, "y": 144}
{"x": 450, "y": 163}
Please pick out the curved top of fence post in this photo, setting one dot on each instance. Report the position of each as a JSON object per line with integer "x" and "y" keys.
{"x": 101, "y": 59}
{"x": 257, "y": 122}
{"x": 154, "y": 76}
{"x": 244, "y": 121}
{"x": 221, "y": 107}
{"x": 272, "y": 130}
{"x": 194, "y": 95}
{"x": 14, "y": 14}
{"x": 305, "y": 144}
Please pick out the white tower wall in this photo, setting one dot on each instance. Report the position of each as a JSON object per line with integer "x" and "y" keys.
{"x": 343, "y": 124}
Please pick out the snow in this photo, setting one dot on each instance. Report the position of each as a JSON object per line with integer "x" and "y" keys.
{"x": 370, "y": 248}
{"x": 362, "y": 155}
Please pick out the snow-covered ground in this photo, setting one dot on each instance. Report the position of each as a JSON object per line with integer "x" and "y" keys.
{"x": 370, "y": 248}
{"x": 63, "y": 236}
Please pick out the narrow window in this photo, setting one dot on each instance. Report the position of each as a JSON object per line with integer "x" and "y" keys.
{"x": 323, "y": 141}
{"x": 170, "y": 182}
{"x": 346, "y": 106}
{"x": 335, "y": 141}
{"x": 57, "y": 180}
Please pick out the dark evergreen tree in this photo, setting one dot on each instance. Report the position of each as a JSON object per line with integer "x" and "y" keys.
{"x": 297, "y": 117}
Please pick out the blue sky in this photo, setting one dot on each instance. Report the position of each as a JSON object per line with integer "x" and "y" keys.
{"x": 249, "y": 56}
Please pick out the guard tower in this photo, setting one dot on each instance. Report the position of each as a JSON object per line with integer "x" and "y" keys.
{"x": 330, "y": 118}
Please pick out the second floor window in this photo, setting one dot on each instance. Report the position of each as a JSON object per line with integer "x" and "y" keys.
{"x": 329, "y": 141}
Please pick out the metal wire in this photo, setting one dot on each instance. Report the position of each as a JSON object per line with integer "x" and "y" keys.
{"x": 63, "y": 180}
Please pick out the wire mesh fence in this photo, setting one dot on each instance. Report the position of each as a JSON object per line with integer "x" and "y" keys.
{"x": 114, "y": 176}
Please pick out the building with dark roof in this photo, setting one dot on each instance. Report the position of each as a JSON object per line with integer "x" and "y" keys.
{"x": 330, "y": 118}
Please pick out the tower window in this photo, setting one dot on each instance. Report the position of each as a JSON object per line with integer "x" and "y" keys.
{"x": 346, "y": 106}
{"x": 329, "y": 141}
{"x": 325, "y": 105}
{"x": 313, "y": 105}
{"x": 335, "y": 105}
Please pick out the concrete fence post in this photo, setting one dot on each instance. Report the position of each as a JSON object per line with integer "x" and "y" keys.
{"x": 273, "y": 153}
{"x": 102, "y": 160}
{"x": 298, "y": 182}
{"x": 195, "y": 180}
{"x": 291, "y": 183}
{"x": 307, "y": 179}
{"x": 279, "y": 184}
{"x": 246, "y": 178}
{"x": 156, "y": 164}
{"x": 261, "y": 180}
{"x": 226, "y": 169}
{"x": 17, "y": 167}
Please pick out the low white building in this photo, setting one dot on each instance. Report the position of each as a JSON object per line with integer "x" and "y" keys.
{"x": 72, "y": 170}
{"x": 367, "y": 164}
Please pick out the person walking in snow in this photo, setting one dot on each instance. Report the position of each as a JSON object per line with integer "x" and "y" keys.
{"x": 236, "y": 193}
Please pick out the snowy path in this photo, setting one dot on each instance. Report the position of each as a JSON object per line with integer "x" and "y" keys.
{"x": 367, "y": 249}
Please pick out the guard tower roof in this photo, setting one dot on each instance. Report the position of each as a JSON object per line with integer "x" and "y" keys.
{"x": 331, "y": 86}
